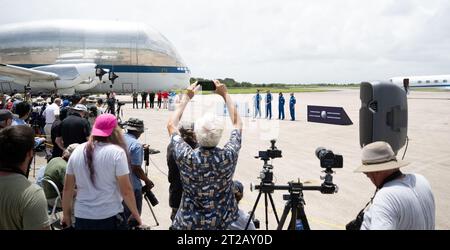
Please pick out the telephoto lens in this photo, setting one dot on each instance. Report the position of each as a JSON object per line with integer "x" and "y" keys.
{"x": 150, "y": 196}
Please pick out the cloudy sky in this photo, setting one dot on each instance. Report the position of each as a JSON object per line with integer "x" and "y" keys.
{"x": 293, "y": 41}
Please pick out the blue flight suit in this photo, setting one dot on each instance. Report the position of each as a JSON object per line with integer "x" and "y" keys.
{"x": 292, "y": 102}
{"x": 269, "y": 105}
{"x": 281, "y": 108}
{"x": 257, "y": 105}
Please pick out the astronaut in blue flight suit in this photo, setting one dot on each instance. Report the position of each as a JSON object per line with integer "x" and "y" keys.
{"x": 292, "y": 102}
{"x": 257, "y": 104}
{"x": 281, "y": 107}
{"x": 268, "y": 105}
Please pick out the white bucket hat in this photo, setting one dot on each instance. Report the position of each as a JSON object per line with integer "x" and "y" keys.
{"x": 378, "y": 156}
{"x": 80, "y": 107}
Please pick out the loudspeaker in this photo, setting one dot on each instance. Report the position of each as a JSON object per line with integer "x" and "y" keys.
{"x": 383, "y": 115}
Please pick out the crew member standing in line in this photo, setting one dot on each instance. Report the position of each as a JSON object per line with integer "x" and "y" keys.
{"x": 292, "y": 102}
{"x": 257, "y": 104}
{"x": 268, "y": 105}
{"x": 159, "y": 99}
{"x": 281, "y": 107}
{"x": 135, "y": 99}
{"x": 144, "y": 100}
{"x": 152, "y": 99}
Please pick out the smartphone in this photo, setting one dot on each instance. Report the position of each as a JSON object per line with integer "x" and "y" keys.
{"x": 207, "y": 85}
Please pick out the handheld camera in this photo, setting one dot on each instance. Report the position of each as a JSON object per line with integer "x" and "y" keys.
{"x": 207, "y": 85}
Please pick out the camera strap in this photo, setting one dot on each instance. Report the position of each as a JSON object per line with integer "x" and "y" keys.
{"x": 356, "y": 224}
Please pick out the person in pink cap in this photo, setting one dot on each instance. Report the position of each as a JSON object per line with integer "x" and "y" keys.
{"x": 99, "y": 170}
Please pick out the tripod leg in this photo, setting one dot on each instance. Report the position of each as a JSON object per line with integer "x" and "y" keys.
{"x": 273, "y": 208}
{"x": 267, "y": 215}
{"x": 293, "y": 218}
{"x": 284, "y": 216}
{"x": 151, "y": 210}
{"x": 253, "y": 211}
{"x": 302, "y": 216}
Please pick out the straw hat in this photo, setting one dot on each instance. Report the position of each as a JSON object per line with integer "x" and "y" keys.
{"x": 379, "y": 156}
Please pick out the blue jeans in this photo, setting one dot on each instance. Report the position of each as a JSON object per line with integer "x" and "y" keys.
{"x": 138, "y": 197}
{"x": 116, "y": 222}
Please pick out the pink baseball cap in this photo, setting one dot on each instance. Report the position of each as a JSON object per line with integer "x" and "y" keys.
{"x": 104, "y": 125}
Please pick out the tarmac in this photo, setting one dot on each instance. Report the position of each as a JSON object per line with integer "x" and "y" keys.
{"x": 428, "y": 151}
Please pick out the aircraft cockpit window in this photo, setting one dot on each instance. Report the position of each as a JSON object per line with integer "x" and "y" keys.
{"x": 444, "y": 80}
{"x": 428, "y": 81}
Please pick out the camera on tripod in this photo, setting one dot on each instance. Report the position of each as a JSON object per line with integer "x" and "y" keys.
{"x": 294, "y": 200}
{"x": 328, "y": 159}
{"x": 270, "y": 153}
{"x": 266, "y": 175}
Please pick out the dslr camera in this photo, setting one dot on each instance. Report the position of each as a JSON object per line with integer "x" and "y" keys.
{"x": 328, "y": 159}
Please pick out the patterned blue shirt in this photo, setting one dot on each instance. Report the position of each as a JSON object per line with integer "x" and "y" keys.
{"x": 136, "y": 154}
{"x": 208, "y": 201}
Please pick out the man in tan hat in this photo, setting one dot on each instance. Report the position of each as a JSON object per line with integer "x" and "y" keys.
{"x": 402, "y": 201}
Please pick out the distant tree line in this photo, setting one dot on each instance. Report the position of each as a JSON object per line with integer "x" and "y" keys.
{"x": 231, "y": 83}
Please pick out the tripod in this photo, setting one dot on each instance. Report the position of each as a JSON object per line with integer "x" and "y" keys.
{"x": 295, "y": 203}
{"x": 267, "y": 187}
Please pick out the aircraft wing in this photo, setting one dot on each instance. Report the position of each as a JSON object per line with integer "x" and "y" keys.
{"x": 27, "y": 74}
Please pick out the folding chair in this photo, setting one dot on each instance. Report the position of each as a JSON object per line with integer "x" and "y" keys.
{"x": 54, "y": 210}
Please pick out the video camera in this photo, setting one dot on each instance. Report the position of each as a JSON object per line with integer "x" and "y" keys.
{"x": 271, "y": 153}
{"x": 266, "y": 175}
{"x": 120, "y": 103}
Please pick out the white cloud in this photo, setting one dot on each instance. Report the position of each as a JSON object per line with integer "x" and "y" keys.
{"x": 281, "y": 41}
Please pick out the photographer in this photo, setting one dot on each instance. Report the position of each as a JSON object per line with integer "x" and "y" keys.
{"x": 402, "y": 201}
{"x": 176, "y": 188}
{"x": 135, "y": 150}
{"x": 22, "y": 204}
{"x": 207, "y": 168}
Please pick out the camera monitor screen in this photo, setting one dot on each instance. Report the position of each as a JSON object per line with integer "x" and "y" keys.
{"x": 383, "y": 115}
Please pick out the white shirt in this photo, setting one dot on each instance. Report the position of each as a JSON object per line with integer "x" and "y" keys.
{"x": 102, "y": 200}
{"x": 402, "y": 204}
{"x": 50, "y": 113}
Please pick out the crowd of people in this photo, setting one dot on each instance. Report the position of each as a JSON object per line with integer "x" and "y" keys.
{"x": 97, "y": 169}
{"x": 148, "y": 99}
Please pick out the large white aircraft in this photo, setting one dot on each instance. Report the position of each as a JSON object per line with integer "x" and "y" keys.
{"x": 88, "y": 56}
{"x": 430, "y": 81}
